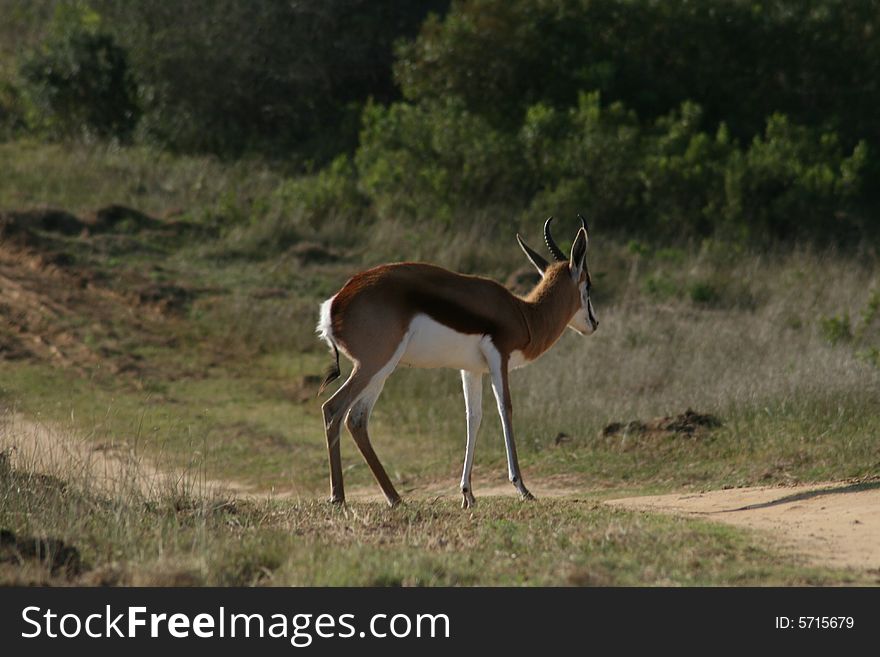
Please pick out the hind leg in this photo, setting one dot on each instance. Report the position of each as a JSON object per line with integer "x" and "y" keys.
{"x": 358, "y": 418}
{"x": 334, "y": 410}
{"x": 356, "y": 421}
{"x": 368, "y": 376}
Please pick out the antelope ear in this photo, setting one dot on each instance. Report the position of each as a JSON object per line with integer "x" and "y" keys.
{"x": 578, "y": 254}
{"x": 539, "y": 262}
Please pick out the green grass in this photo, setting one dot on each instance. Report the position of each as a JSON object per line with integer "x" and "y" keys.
{"x": 222, "y": 385}
{"x": 84, "y": 177}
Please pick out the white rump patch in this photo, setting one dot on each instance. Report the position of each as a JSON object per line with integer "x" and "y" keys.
{"x": 325, "y": 326}
{"x": 517, "y": 360}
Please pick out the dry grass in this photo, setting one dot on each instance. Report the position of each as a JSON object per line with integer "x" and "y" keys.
{"x": 652, "y": 358}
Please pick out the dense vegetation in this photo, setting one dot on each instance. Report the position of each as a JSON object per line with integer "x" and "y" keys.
{"x": 721, "y": 118}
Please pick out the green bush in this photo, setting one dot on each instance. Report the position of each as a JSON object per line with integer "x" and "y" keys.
{"x": 704, "y": 293}
{"x": 678, "y": 120}
{"x": 666, "y": 178}
{"x": 836, "y": 329}
{"x": 436, "y": 160}
{"x": 330, "y": 195}
{"x": 675, "y": 119}
{"x": 13, "y": 113}
{"x": 793, "y": 181}
{"x": 80, "y": 82}
{"x": 682, "y": 171}
{"x": 660, "y": 287}
{"x": 585, "y": 160}
{"x": 870, "y": 312}
{"x": 286, "y": 80}
{"x": 871, "y": 355}
{"x": 862, "y": 336}
{"x": 816, "y": 61}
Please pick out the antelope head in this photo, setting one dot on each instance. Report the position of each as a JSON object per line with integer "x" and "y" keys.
{"x": 584, "y": 319}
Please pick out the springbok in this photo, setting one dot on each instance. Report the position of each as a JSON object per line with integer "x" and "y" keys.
{"x": 426, "y": 316}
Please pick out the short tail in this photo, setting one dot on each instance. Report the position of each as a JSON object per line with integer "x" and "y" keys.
{"x": 333, "y": 372}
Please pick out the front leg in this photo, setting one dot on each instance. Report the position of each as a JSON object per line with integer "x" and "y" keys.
{"x": 472, "y": 383}
{"x": 498, "y": 363}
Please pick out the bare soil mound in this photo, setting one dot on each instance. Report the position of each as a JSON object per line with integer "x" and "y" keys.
{"x": 689, "y": 423}
{"x": 308, "y": 253}
{"x": 109, "y": 218}
{"x": 52, "y": 552}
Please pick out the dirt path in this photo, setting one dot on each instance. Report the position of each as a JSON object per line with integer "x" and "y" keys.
{"x": 111, "y": 468}
{"x": 836, "y": 524}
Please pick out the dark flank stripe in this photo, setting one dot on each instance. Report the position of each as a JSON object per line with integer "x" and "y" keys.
{"x": 451, "y": 314}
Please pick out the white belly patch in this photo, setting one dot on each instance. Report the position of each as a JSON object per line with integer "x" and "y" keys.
{"x": 432, "y": 344}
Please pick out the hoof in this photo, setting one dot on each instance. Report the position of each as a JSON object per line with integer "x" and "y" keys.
{"x": 394, "y": 502}
{"x": 526, "y": 496}
{"x": 468, "y": 501}
{"x": 337, "y": 501}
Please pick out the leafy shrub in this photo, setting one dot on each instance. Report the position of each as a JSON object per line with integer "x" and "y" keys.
{"x": 13, "y": 113}
{"x": 756, "y": 138}
{"x": 869, "y": 313}
{"x": 671, "y": 255}
{"x": 871, "y": 355}
{"x": 80, "y": 82}
{"x": 585, "y": 160}
{"x": 682, "y": 172}
{"x": 436, "y": 160}
{"x": 284, "y": 79}
{"x": 836, "y": 329}
{"x": 702, "y": 292}
{"x": 667, "y": 178}
{"x": 660, "y": 287}
{"x": 330, "y": 195}
{"x": 864, "y": 337}
{"x": 638, "y": 248}
{"x": 793, "y": 180}
{"x": 740, "y": 61}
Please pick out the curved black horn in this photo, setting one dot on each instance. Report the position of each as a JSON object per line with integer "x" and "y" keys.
{"x": 555, "y": 251}
{"x": 536, "y": 258}
{"x": 584, "y": 224}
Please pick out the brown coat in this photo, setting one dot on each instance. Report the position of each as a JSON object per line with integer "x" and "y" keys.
{"x": 373, "y": 310}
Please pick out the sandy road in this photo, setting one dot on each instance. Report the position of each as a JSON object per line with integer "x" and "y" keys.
{"x": 836, "y": 524}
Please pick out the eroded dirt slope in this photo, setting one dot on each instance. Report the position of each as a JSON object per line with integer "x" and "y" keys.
{"x": 55, "y": 308}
